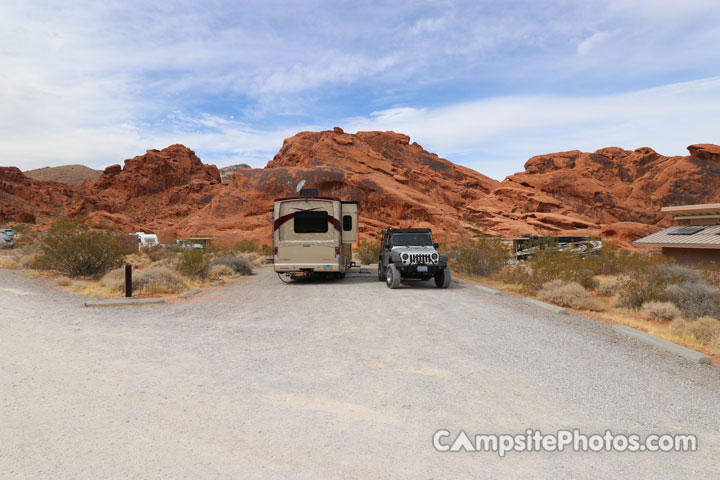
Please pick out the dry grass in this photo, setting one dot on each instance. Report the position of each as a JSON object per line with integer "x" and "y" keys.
{"x": 705, "y": 329}
{"x": 661, "y": 330}
{"x": 569, "y": 294}
{"x": 607, "y": 287}
{"x": 152, "y": 280}
{"x": 660, "y": 311}
{"x": 63, "y": 282}
{"x": 8, "y": 263}
{"x": 256, "y": 259}
{"x": 28, "y": 261}
{"x": 219, "y": 271}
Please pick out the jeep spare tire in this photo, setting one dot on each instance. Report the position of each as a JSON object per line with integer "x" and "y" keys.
{"x": 392, "y": 276}
{"x": 443, "y": 278}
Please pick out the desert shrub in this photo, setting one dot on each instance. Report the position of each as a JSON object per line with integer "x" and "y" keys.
{"x": 219, "y": 271}
{"x": 193, "y": 263}
{"x": 246, "y": 245}
{"x": 8, "y": 263}
{"x": 569, "y": 294}
{"x": 607, "y": 287}
{"x": 28, "y": 261}
{"x": 660, "y": 311}
{"x": 552, "y": 264}
{"x": 159, "y": 279}
{"x": 675, "y": 273}
{"x": 158, "y": 253}
{"x": 612, "y": 260}
{"x": 236, "y": 264}
{"x": 77, "y": 248}
{"x": 483, "y": 256}
{"x": 368, "y": 251}
{"x": 695, "y": 298}
{"x": 63, "y": 282}
{"x": 704, "y": 329}
{"x": 255, "y": 259}
{"x": 152, "y": 280}
{"x": 644, "y": 283}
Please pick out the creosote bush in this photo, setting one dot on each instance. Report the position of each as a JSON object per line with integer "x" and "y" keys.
{"x": 569, "y": 294}
{"x": 483, "y": 256}
{"x": 552, "y": 264}
{"x": 368, "y": 251}
{"x": 645, "y": 282}
{"x": 236, "y": 264}
{"x": 77, "y": 248}
{"x": 193, "y": 263}
{"x": 660, "y": 311}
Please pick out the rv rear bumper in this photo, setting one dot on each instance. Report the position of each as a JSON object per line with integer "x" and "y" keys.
{"x": 300, "y": 267}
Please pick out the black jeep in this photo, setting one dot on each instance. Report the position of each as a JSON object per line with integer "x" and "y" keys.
{"x": 411, "y": 253}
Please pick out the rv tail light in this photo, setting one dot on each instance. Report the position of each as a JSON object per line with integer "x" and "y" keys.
{"x": 275, "y": 254}
{"x": 337, "y": 252}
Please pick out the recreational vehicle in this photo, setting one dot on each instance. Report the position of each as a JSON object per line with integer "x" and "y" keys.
{"x": 313, "y": 234}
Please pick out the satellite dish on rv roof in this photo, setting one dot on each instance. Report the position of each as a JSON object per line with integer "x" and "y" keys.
{"x": 300, "y": 185}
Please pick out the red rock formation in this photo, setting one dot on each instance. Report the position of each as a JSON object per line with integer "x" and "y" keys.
{"x": 612, "y": 192}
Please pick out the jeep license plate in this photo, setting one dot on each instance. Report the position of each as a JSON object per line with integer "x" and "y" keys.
{"x": 422, "y": 268}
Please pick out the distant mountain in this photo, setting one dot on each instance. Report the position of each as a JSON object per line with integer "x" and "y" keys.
{"x": 613, "y": 193}
{"x": 67, "y": 174}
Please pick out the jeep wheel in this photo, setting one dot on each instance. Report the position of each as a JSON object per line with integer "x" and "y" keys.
{"x": 392, "y": 277}
{"x": 381, "y": 273}
{"x": 442, "y": 279}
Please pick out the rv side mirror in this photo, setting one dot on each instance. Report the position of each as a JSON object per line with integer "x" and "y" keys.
{"x": 436, "y": 245}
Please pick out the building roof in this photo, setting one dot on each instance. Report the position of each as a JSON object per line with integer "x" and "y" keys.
{"x": 708, "y": 209}
{"x": 694, "y": 236}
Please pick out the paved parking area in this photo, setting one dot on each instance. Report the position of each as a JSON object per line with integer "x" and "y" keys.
{"x": 347, "y": 379}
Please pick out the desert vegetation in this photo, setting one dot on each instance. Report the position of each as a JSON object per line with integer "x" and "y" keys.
{"x": 368, "y": 251}
{"x": 679, "y": 303}
{"x": 483, "y": 256}
{"x": 88, "y": 258}
{"x": 79, "y": 248}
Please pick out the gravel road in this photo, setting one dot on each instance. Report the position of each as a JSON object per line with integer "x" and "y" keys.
{"x": 347, "y": 379}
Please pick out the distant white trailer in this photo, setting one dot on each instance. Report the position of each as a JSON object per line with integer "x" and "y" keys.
{"x": 313, "y": 234}
{"x": 147, "y": 239}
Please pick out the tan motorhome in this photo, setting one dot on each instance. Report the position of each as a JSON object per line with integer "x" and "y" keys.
{"x": 313, "y": 234}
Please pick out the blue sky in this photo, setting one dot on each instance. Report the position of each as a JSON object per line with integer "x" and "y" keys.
{"x": 484, "y": 84}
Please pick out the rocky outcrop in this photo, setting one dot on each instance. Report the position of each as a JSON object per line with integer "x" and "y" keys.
{"x": 612, "y": 192}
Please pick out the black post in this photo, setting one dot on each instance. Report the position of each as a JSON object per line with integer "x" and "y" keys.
{"x": 128, "y": 280}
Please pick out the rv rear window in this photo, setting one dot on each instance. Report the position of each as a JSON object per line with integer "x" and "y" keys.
{"x": 311, "y": 222}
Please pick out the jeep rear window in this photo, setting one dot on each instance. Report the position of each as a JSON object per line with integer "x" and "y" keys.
{"x": 311, "y": 222}
{"x": 412, "y": 239}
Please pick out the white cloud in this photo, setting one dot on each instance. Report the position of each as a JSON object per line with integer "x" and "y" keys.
{"x": 429, "y": 25}
{"x": 96, "y": 82}
{"x": 497, "y": 135}
{"x": 592, "y": 42}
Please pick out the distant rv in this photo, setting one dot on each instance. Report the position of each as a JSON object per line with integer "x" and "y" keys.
{"x": 313, "y": 235}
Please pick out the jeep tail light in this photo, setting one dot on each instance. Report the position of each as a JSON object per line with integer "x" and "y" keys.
{"x": 337, "y": 252}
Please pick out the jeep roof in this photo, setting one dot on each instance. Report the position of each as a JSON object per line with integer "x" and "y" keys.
{"x": 407, "y": 230}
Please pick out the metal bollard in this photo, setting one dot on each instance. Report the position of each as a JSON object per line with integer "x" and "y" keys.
{"x": 128, "y": 280}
